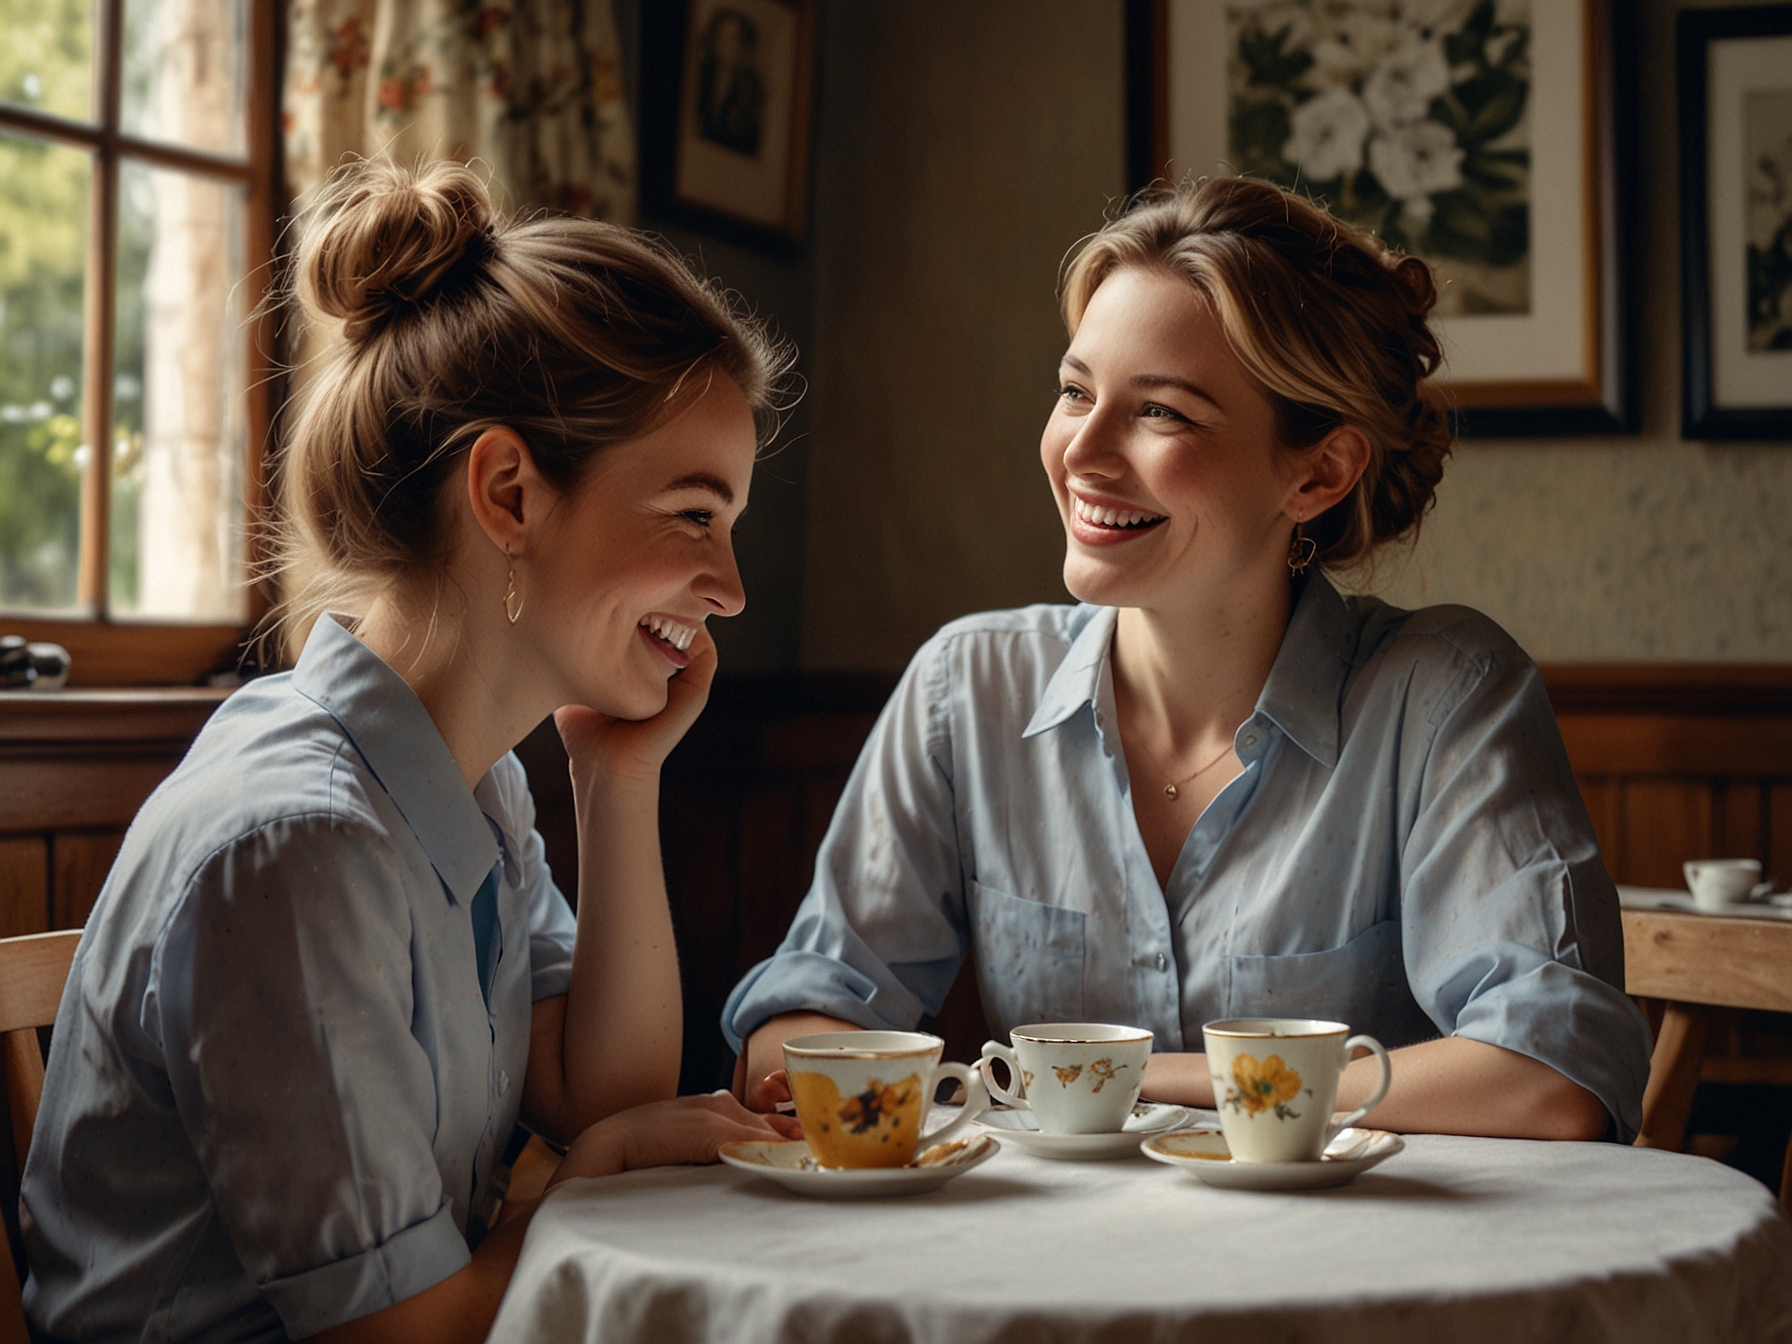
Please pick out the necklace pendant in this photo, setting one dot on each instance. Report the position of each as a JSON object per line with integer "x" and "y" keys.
{"x": 1170, "y": 792}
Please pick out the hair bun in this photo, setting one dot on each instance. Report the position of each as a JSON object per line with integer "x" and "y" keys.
{"x": 380, "y": 240}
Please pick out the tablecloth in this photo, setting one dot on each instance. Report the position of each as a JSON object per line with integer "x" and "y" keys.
{"x": 1452, "y": 1240}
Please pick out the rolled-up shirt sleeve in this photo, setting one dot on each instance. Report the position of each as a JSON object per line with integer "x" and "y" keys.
{"x": 1510, "y": 922}
{"x": 281, "y": 994}
{"x": 551, "y": 925}
{"x": 881, "y": 933}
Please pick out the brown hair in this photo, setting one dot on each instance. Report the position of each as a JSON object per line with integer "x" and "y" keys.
{"x": 1327, "y": 320}
{"x": 450, "y": 319}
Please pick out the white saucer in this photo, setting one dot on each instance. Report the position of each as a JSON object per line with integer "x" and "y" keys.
{"x": 1203, "y": 1154}
{"x": 788, "y": 1162}
{"x": 1147, "y": 1118}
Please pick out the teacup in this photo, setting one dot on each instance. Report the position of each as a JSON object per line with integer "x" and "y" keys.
{"x": 862, "y": 1096}
{"x": 1076, "y": 1077}
{"x": 1275, "y": 1080}
{"x": 1716, "y": 883}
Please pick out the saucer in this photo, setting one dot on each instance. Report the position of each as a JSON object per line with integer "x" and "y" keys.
{"x": 1203, "y": 1154}
{"x": 789, "y": 1163}
{"x": 1147, "y": 1118}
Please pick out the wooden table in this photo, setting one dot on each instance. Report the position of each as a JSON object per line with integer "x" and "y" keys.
{"x": 1693, "y": 963}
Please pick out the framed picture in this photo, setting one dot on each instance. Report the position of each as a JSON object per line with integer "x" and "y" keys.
{"x": 1736, "y": 222}
{"x": 1494, "y": 138}
{"x": 725, "y": 104}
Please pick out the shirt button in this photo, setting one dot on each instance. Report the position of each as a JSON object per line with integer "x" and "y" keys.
{"x": 1250, "y": 739}
{"x": 1162, "y": 961}
{"x": 503, "y": 1082}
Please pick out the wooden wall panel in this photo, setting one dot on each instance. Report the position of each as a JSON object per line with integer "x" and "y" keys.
{"x": 1665, "y": 823}
{"x": 1738, "y": 821}
{"x": 79, "y": 862}
{"x": 24, "y": 885}
{"x": 1777, "y": 855}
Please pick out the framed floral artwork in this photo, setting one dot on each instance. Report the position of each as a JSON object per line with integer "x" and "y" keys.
{"x": 726, "y": 93}
{"x": 1494, "y": 138}
{"x": 1736, "y": 222}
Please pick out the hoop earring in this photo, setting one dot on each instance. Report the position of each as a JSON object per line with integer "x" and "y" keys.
{"x": 1301, "y": 550}
{"x": 513, "y": 600}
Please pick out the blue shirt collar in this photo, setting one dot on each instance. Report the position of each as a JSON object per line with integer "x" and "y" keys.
{"x": 403, "y": 748}
{"x": 1302, "y": 696}
{"x": 1077, "y": 682}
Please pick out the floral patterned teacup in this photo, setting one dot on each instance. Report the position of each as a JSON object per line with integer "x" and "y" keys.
{"x": 1076, "y": 1077}
{"x": 862, "y": 1095}
{"x": 1275, "y": 1080}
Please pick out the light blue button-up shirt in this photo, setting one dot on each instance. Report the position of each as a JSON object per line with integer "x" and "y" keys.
{"x": 277, "y": 1091}
{"x": 1405, "y": 850}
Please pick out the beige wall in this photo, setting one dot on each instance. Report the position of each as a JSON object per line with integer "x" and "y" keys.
{"x": 962, "y": 149}
{"x": 1622, "y": 549}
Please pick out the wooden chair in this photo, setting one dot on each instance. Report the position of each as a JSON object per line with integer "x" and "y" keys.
{"x": 33, "y": 970}
{"x": 1694, "y": 963}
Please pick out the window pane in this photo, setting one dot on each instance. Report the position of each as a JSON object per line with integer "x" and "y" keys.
{"x": 177, "y": 492}
{"x": 43, "y": 252}
{"x": 46, "y": 59}
{"x": 184, "y": 64}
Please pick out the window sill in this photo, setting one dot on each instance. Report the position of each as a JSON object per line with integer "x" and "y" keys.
{"x": 147, "y": 653}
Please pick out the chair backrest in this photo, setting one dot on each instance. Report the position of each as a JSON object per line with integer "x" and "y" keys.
{"x": 33, "y": 970}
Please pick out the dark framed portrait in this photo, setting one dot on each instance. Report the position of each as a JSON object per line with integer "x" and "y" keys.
{"x": 726, "y": 102}
{"x": 1736, "y": 222}
{"x": 1494, "y": 138}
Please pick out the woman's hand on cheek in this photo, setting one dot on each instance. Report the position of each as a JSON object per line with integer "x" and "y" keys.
{"x": 637, "y": 748}
{"x": 668, "y": 1133}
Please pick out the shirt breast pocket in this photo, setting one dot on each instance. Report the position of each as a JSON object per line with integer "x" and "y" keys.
{"x": 1362, "y": 984}
{"x": 1029, "y": 959}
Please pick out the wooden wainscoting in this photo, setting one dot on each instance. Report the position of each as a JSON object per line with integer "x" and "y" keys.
{"x": 74, "y": 768}
{"x": 1681, "y": 762}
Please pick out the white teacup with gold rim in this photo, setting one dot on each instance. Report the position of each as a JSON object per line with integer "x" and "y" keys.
{"x": 862, "y": 1096}
{"x": 1076, "y": 1077}
{"x": 1275, "y": 1080}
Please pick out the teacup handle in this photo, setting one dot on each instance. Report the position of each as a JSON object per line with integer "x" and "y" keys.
{"x": 1375, "y": 1047}
{"x": 996, "y": 1050}
{"x": 976, "y": 1099}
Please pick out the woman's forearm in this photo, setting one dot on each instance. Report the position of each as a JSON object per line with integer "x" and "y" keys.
{"x": 624, "y": 1016}
{"x": 1449, "y": 1086}
{"x": 1455, "y": 1085}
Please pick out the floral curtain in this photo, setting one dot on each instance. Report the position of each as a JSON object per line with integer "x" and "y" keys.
{"x": 531, "y": 87}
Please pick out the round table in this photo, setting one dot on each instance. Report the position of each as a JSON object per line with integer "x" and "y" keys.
{"x": 1454, "y": 1239}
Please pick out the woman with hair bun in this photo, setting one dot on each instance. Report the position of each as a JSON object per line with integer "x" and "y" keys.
{"x": 330, "y": 969}
{"x": 1217, "y": 787}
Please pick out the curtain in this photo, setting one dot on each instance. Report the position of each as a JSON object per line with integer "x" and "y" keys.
{"x": 531, "y": 87}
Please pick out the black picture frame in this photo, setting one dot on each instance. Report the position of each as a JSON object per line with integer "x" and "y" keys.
{"x": 1707, "y": 412}
{"x": 1606, "y": 397}
{"x": 673, "y": 150}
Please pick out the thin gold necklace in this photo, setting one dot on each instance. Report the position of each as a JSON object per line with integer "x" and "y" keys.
{"x": 1173, "y": 789}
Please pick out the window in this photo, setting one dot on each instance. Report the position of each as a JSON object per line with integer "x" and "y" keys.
{"x": 137, "y": 169}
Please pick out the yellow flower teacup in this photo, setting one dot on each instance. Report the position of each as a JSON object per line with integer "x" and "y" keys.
{"x": 1275, "y": 1080}
{"x": 862, "y": 1095}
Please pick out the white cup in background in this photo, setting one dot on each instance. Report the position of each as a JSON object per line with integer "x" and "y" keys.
{"x": 1717, "y": 884}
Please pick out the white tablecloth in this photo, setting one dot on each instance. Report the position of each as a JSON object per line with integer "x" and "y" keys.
{"x": 1455, "y": 1239}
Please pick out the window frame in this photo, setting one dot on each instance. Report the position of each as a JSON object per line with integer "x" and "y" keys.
{"x": 105, "y": 651}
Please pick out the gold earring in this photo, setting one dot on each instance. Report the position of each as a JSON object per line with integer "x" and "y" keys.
{"x": 1301, "y": 550}
{"x": 513, "y": 600}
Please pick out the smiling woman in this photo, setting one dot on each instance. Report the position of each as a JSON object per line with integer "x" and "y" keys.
{"x": 512, "y": 480}
{"x": 1217, "y": 787}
